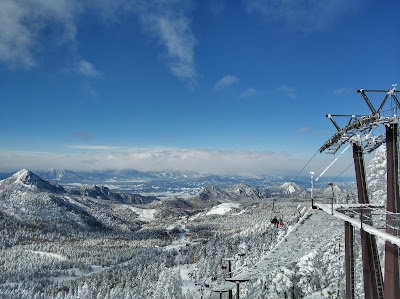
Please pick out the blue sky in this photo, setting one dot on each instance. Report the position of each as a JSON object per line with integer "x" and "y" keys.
{"x": 214, "y": 85}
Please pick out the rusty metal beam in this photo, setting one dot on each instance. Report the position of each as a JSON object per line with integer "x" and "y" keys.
{"x": 349, "y": 258}
{"x": 372, "y": 274}
{"x": 392, "y": 251}
{"x": 360, "y": 174}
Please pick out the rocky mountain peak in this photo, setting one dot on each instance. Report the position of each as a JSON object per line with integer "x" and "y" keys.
{"x": 245, "y": 190}
{"x": 289, "y": 188}
{"x": 28, "y": 179}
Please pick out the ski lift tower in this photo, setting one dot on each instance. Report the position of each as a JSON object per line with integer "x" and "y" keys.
{"x": 360, "y": 132}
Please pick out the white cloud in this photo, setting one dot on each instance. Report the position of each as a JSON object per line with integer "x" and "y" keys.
{"x": 288, "y": 91}
{"x": 304, "y": 16}
{"x": 199, "y": 160}
{"x": 343, "y": 90}
{"x": 169, "y": 23}
{"x": 176, "y": 36}
{"x": 304, "y": 130}
{"x": 22, "y": 24}
{"x": 249, "y": 92}
{"x": 226, "y": 81}
{"x": 87, "y": 69}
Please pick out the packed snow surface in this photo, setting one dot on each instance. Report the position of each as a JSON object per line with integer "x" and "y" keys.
{"x": 304, "y": 237}
{"x": 223, "y": 208}
{"x": 51, "y": 254}
{"x": 144, "y": 214}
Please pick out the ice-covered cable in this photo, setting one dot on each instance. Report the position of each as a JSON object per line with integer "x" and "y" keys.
{"x": 322, "y": 173}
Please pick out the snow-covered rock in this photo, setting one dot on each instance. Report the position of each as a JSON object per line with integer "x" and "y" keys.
{"x": 63, "y": 175}
{"x": 289, "y": 188}
{"x": 26, "y": 179}
{"x": 331, "y": 191}
{"x": 245, "y": 191}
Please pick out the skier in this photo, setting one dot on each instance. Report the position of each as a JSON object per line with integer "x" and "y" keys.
{"x": 280, "y": 222}
{"x": 275, "y": 222}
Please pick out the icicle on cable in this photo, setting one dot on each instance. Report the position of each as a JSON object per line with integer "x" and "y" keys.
{"x": 322, "y": 173}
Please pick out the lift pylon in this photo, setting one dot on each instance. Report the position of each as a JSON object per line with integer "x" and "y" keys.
{"x": 358, "y": 132}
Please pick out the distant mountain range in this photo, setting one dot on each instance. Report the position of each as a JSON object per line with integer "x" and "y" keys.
{"x": 32, "y": 199}
{"x": 179, "y": 182}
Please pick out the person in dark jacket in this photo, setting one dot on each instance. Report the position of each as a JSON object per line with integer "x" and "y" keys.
{"x": 275, "y": 222}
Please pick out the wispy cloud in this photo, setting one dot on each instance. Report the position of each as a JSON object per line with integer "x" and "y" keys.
{"x": 212, "y": 161}
{"x": 87, "y": 69}
{"x": 301, "y": 15}
{"x": 23, "y": 25}
{"x": 343, "y": 90}
{"x": 289, "y": 91}
{"x": 199, "y": 160}
{"x": 304, "y": 130}
{"x": 84, "y": 135}
{"x": 249, "y": 92}
{"x": 226, "y": 81}
{"x": 311, "y": 131}
{"x": 170, "y": 24}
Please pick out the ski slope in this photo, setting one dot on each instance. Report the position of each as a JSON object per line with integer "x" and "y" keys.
{"x": 312, "y": 231}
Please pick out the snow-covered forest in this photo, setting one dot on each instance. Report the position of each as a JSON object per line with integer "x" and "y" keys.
{"x": 96, "y": 248}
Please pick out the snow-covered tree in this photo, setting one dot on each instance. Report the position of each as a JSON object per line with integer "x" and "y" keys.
{"x": 376, "y": 177}
{"x": 169, "y": 285}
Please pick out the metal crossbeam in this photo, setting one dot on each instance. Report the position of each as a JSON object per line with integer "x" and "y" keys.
{"x": 362, "y": 126}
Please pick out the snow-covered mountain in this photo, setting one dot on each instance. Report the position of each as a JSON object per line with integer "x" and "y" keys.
{"x": 169, "y": 182}
{"x": 212, "y": 193}
{"x": 60, "y": 175}
{"x": 31, "y": 199}
{"x": 331, "y": 191}
{"x": 28, "y": 180}
{"x": 288, "y": 188}
{"x": 231, "y": 193}
{"x": 246, "y": 191}
{"x": 92, "y": 205}
{"x": 102, "y": 192}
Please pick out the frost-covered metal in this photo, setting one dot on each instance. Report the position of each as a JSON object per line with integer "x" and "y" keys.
{"x": 361, "y": 128}
{"x": 360, "y": 132}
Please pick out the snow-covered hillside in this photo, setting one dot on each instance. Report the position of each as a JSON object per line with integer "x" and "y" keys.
{"x": 174, "y": 248}
{"x": 30, "y": 199}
